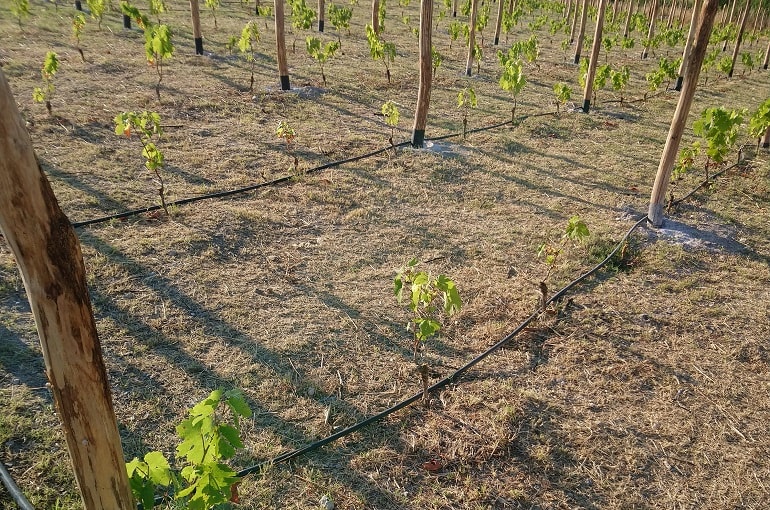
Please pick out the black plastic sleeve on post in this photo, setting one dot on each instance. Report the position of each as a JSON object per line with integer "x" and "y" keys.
{"x": 418, "y": 138}
{"x": 586, "y": 105}
{"x": 126, "y": 21}
{"x": 199, "y": 45}
{"x": 577, "y": 58}
{"x": 320, "y": 25}
{"x": 285, "y": 83}
{"x": 679, "y": 81}
{"x": 78, "y": 5}
{"x": 766, "y": 145}
{"x": 497, "y": 41}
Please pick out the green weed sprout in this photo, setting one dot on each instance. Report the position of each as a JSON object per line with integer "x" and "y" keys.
{"x": 247, "y": 45}
{"x": 466, "y": 100}
{"x": 48, "y": 71}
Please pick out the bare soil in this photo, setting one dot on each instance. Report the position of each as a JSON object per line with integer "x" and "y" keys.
{"x": 648, "y": 387}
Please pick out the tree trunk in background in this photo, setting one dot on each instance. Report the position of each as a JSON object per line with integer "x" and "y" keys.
{"x": 582, "y": 32}
{"x": 426, "y": 72}
{"x": 651, "y": 31}
{"x": 51, "y": 264}
{"x": 742, "y": 29}
{"x": 321, "y": 15}
{"x": 678, "y": 123}
{"x": 280, "y": 45}
{"x": 688, "y": 45}
{"x": 471, "y": 38}
{"x": 499, "y": 23}
{"x": 376, "y": 16}
{"x": 597, "y": 44}
{"x": 196, "y": 26}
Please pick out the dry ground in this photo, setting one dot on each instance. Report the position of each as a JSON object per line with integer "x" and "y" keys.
{"x": 648, "y": 388}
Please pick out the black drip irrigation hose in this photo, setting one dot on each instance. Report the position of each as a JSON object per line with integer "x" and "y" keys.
{"x": 222, "y": 194}
{"x": 13, "y": 490}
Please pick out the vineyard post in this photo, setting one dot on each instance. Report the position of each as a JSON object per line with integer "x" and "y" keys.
{"x": 729, "y": 20}
{"x": 376, "y": 16}
{"x": 499, "y": 23}
{"x": 573, "y": 30}
{"x": 471, "y": 37}
{"x": 321, "y": 11}
{"x": 766, "y": 139}
{"x": 615, "y": 5}
{"x": 454, "y": 8}
{"x": 679, "y": 121}
{"x": 627, "y": 24}
{"x": 78, "y": 5}
{"x": 48, "y": 254}
{"x": 671, "y": 9}
{"x": 567, "y": 10}
{"x": 688, "y": 45}
{"x": 426, "y": 70}
{"x": 196, "y": 25}
{"x": 581, "y": 32}
{"x": 597, "y": 44}
{"x": 767, "y": 56}
{"x": 651, "y": 30}
{"x": 127, "y": 21}
{"x": 280, "y": 43}
{"x": 682, "y": 12}
{"x": 737, "y": 48}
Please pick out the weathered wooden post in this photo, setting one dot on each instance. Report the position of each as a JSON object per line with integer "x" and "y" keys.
{"x": 668, "y": 158}
{"x": 582, "y": 32}
{"x": 651, "y": 30}
{"x": 376, "y": 16}
{"x": 280, "y": 44}
{"x": 51, "y": 264}
{"x": 597, "y": 44}
{"x": 741, "y": 30}
{"x": 321, "y": 15}
{"x": 196, "y": 26}
{"x": 499, "y": 22}
{"x": 426, "y": 73}
{"x": 471, "y": 38}
{"x": 688, "y": 45}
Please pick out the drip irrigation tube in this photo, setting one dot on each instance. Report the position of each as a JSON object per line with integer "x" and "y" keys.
{"x": 13, "y": 489}
{"x": 222, "y": 194}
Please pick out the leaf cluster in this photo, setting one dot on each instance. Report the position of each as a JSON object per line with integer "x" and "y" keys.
{"x": 48, "y": 71}
{"x": 759, "y": 122}
{"x": 390, "y": 112}
{"x": 719, "y": 128}
{"x": 467, "y": 98}
{"x": 576, "y": 232}
{"x": 302, "y": 16}
{"x": 340, "y": 16}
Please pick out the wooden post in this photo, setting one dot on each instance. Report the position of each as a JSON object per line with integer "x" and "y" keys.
{"x": 321, "y": 15}
{"x": 688, "y": 45}
{"x": 615, "y": 5}
{"x": 581, "y": 32}
{"x": 729, "y": 20}
{"x": 78, "y": 5}
{"x": 51, "y": 265}
{"x": 376, "y": 16}
{"x": 196, "y": 26}
{"x": 426, "y": 72}
{"x": 767, "y": 56}
{"x": 629, "y": 12}
{"x": 651, "y": 30}
{"x": 573, "y": 30}
{"x": 471, "y": 38}
{"x": 742, "y": 29}
{"x": 766, "y": 139}
{"x": 567, "y": 10}
{"x": 597, "y": 44}
{"x": 668, "y": 158}
{"x": 499, "y": 23}
{"x": 280, "y": 44}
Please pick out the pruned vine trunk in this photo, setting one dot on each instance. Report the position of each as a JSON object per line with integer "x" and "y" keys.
{"x": 48, "y": 254}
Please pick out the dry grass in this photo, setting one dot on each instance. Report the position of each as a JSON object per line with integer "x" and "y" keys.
{"x": 647, "y": 389}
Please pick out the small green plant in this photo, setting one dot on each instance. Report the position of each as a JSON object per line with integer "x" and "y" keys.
{"x": 627, "y": 43}
{"x": 213, "y": 5}
{"x": 455, "y": 30}
{"x": 287, "y": 132}
{"x": 158, "y": 46}
{"x": 510, "y": 20}
{"x": 382, "y": 13}
{"x": 576, "y": 232}
{"x": 208, "y": 440}
{"x": 97, "y": 8}
{"x": 759, "y": 122}
{"x": 482, "y": 20}
{"x": 667, "y": 70}
{"x": 619, "y": 79}
{"x": 45, "y": 94}
{"x": 466, "y": 100}
{"x": 685, "y": 160}
{"x": 425, "y": 295}
{"x": 436, "y": 59}
{"x": 719, "y": 128}
{"x": 380, "y": 50}
{"x": 321, "y": 53}
{"x": 302, "y": 18}
{"x": 513, "y": 80}
{"x": 78, "y": 23}
{"x": 709, "y": 61}
{"x": 392, "y": 115}
{"x": 563, "y": 94}
{"x": 603, "y": 73}
{"x": 340, "y": 18}
{"x": 158, "y": 7}
{"x": 247, "y": 45}
{"x": 232, "y": 44}
{"x": 20, "y": 9}
{"x": 478, "y": 55}
{"x": 147, "y": 125}
{"x": 747, "y": 59}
